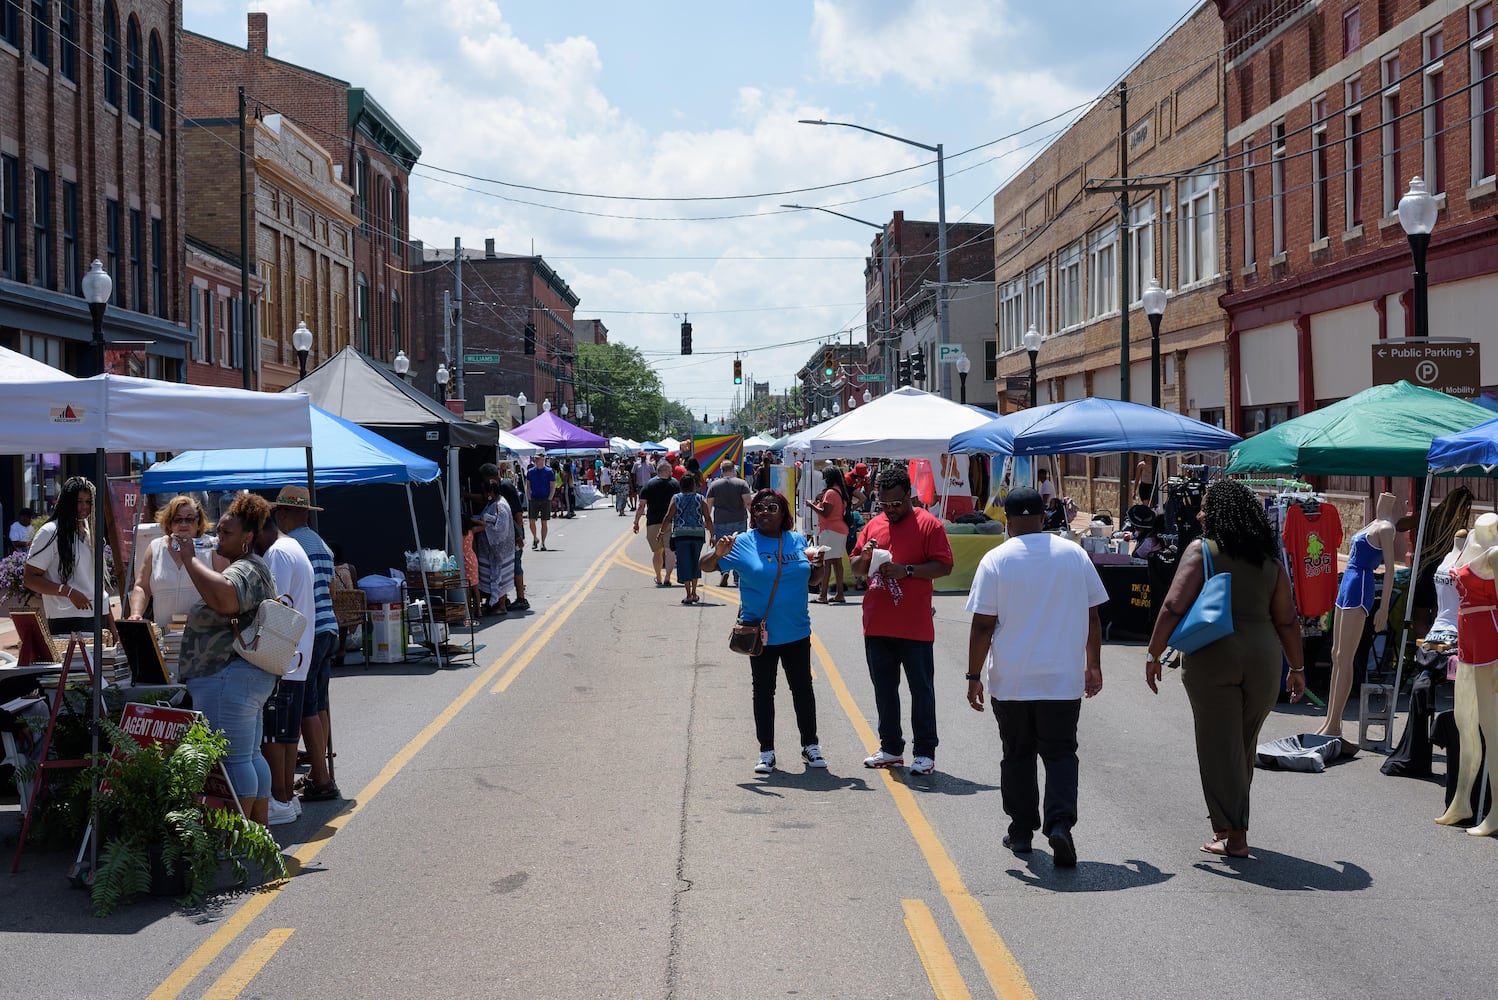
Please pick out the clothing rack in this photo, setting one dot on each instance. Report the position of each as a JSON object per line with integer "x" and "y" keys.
{"x": 1278, "y": 483}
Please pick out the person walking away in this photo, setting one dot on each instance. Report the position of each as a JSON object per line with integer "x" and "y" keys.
{"x": 773, "y": 566}
{"x": 730, "y": 497}
{"x": 60, "y": 561}
{"x": 517, "y": 511}
{"x": 898, "y": 630}
{"x": 606, "y": 481}
{"x": 499, "y": 529}
{"x": 640, "y": 475}
{"x": 540, "y": 481}
{"x": 292, "y": 572}
{"x": 293, "y": 514}
{"x": 1034, "y": 602}
{"x": 656, "y": 497}
{"x": 832, "y": 531}
{"x": 1233, "y": 683}
{"x": 623, "y": 489}
{"x": 689, "y": 522}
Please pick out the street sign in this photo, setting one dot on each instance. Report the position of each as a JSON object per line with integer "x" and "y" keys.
{"x": 872, "y": 377}
{"x": 1452, "y": 367}
{"x": 948, "y": 353}
{"x": 481, "y": 359}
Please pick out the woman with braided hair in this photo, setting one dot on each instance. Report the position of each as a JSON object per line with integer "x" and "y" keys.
{"x": 1233, "y": 683}
{"x": 60, "y": 562}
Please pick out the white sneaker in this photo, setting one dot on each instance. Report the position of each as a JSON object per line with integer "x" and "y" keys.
{"x": 922, "y": 765}
{"x": 882, "y": 759}
{"x": 766, "y": 762}
{"x": 812, "y": 754}
{"x": 280, "y": 813}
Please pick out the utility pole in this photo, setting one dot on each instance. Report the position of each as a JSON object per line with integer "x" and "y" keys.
{"x": 942, "y": 331}
{"x": 458, "y": 314}
{"x": 447, "y": 328}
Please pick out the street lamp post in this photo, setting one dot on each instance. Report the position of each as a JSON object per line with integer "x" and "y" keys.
{"x": 402, "y": 364}
{"x": 442, "y": 376}
{"x": 1154, "y": 308}
{"x": 301, "y": 342}
{"x": 852, "y": 401}
{"x": 1417, "y": 215}
{"x": 97, "y": 285}
{"x": 941, "y": 229}
{"x": 963, "y": 367}
{"x": 546, "y": 404}
{"x": 868, "y": 396}
{"x": 1033, "y": 340}
{"x": 521, "y": 402}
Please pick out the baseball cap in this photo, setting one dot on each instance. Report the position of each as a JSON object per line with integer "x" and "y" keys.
{"x": 1023, "y": 502}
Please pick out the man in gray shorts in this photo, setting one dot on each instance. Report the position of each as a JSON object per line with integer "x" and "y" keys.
{"x": 730, "y": 496}
{"x": 540, "y": 481}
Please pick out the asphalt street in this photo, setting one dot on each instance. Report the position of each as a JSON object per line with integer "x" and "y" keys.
{"x": 575, "y": 816}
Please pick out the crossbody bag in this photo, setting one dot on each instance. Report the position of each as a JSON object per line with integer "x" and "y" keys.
{"x": 747, "y": 637}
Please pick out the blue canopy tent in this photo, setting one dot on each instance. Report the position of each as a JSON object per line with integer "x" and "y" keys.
{"x": 653, "y": 448}
{"x": 1093, "y": 426}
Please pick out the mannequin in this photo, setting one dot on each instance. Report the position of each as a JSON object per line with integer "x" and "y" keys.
{"x": 1375, "y": 544}
{"x": 1443, "y": 629}
{"x": 1476, "y": 687}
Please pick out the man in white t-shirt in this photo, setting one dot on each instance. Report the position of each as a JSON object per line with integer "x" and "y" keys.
{"x": 292, "y": 568}
{"x": 1034, "y": 601}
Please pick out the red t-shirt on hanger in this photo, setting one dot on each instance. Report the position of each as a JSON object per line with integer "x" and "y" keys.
{"x": 1311, "y": 543}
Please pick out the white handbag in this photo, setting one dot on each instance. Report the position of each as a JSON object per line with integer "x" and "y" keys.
{"x": 275, "y": 632}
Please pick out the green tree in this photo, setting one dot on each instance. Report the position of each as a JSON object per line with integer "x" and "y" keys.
{"x": 621, "y": 391}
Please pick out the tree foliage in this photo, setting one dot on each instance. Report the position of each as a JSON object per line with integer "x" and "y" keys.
{"x": 622, "y": 392}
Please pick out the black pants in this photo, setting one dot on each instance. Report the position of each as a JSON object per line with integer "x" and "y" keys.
{"x": 1048, "y": 730}
{"x": 886, "y": 656}
{"x": 795, "y": 657}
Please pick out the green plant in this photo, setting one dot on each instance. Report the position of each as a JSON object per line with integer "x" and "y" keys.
{"x": 149, "y": 796}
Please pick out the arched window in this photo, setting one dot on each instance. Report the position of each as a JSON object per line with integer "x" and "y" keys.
{"x": 135, "y": 93}
{"x": 154, "y": 83}
{"x": 111, "y": 54}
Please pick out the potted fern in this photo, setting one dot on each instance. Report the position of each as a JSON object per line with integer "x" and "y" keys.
{"x": 149, "y": 806}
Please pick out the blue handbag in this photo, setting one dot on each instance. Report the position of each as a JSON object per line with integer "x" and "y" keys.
{"x": 1211, "y": 614}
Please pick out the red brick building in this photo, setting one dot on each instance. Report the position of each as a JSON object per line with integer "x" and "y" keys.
{"x": 1332, "y": 108}
{"x": 373, "y": 154}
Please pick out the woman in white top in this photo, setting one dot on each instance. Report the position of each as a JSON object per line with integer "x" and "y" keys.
{"x": 160, "y": 581}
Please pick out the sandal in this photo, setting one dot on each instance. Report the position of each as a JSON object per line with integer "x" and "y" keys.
{"x": 839, "y": 600}
{"x": 1219, "y": 848}
{"x": 686, "y": 600}
{"x": 819, "y": 600}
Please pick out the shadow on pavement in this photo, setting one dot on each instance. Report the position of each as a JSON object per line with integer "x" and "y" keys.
{"x": 1088, "y": 876}
{"x": 1273, "y": 870}
{"x": 941, "y": 783}
{"x": 813, "y": 779}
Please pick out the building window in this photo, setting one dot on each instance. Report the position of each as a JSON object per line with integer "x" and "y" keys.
{"x": 10, "y": 22}
{"x": 395, "y": 323}
{"x": 990, "y": 361}
{"x": 1011, "y": 314}
{"x": 1167, "y": 243}
{"x": 361, "y": 188}
{"x": 135, "y": 92}
{"x": 340, "y": 322}
{"x": 266, "y": 310}
{"x": 1249, "y": 252}
{"x": 41, "y": 228}
{"x": 1035, "y": 301}
{"x": 1069, "y": 287}
{"x": 67, "y": 39}
{"x": 111, "y": 54}
{"x": 1483, "y": 104}
{"x": 158, "y": 270}
{"x": 137, "y": 268}
{"x": 1351, "y": 31}
{"x": 1199, "y": 226}
{"x": 112, "y": 250}
{"x": 361, "y": 305}
{"x": 1258, "y": 419}
{"x": 1434, "y": 116}
{"x": 10, "y": 210}
{"x": 1389, "y": 132}
{"x": 1141, "y": 248}
{"x": 154, "y": 84}
{"x": 236, "y": 331}
{"x": 195, "y": 322}
{"x": 210, "y": 324}
{"x": 1352, "y": 128}
{"x": 397, "y": 231}
{"x": 70, "y": 276}
{"x": 1277, "y": 183}
{"x": 1102, "y": 271}
{"x": 41, "y": 32}
{"x": 1318, "y": 169}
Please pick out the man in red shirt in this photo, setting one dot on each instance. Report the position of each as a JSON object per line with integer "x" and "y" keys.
{"x": 898, "y": 630}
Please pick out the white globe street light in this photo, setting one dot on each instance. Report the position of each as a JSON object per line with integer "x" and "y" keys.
{"x": 1032, "y": 342}
{"x": 1417, "y": 214}
{"x": 1154, "y": 308}
{"x": 301, "y": 342}
{"x": 97, "y": 284}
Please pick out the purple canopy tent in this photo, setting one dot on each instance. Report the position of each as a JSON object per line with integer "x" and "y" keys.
{"x": 550, "y": 431}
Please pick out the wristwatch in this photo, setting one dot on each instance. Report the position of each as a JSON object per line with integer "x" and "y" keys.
{"x": 1150, "y": 658}
{"x": 909, "y": 570}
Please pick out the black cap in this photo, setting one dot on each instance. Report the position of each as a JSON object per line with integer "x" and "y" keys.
{"x": 1023, "y": 502}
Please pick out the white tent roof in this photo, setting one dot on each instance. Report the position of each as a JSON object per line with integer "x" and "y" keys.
{"x": 756, "y": 443}
{"x": 517, "y": 446}
{"x": 906, "y": 423}
{"x": 118, "y": 413}
{"x": 16, "y": 367}
{"x": 670, "y": 444}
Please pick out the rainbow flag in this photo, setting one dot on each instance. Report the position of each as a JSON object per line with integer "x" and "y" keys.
{"x": 711, "y": 452}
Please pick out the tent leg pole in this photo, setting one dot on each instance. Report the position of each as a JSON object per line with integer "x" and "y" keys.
{"x": 454, "y": 514}
{"x": 311, "y": 490}
{"x": 1409, "y": 613}
{"x": 101, "y": 498}
{"x": 425, "y": 591}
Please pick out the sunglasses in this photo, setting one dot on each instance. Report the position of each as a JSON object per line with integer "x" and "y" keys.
{"x": 892, "y": 504}
{"x": 766, "y": 508}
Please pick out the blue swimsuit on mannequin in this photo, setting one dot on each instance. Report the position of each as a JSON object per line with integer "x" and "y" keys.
{"x": 1357, "y": 588}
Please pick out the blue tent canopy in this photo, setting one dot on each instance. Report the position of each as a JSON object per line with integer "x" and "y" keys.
{"x": 343, "y": 454}
{"x": 1093, "y": 426}
{"x": 653, "y": 447}
{"x": 1476, "y": 446}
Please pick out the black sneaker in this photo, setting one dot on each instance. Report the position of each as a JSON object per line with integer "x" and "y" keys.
{"x": 520, "y": 605}
{"x": 1016, "y": 845}
{"x": 1063, "y": 848}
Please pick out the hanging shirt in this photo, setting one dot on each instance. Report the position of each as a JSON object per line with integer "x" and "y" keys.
{"x": 1447, "y": 599}
{"x": 1311, "y": 543}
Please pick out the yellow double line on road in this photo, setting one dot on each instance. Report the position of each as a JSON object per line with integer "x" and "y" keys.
{"x": 520, "y": 653}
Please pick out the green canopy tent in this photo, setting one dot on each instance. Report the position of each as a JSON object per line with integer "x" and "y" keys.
{"x": 1382, "y": 431}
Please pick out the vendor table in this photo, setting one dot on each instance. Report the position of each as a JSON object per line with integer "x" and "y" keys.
{"x": 967, "y": 552}
{"x": 1131, "y": 602}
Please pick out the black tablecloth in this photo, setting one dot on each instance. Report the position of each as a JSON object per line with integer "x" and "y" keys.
{"x": 1131, "y": 601}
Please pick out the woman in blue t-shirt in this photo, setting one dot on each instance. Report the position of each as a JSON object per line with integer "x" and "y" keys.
{"x": 774, "y": 567}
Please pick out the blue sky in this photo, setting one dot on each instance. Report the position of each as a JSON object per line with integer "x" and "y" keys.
{"x": 675, "y": 100}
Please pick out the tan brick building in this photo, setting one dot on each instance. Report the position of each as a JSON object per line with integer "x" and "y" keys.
{"x": 1057, "y": 247}
{"x": 301, "y": 253}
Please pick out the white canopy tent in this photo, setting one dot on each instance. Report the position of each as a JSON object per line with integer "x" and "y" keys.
{"x": 756, "y": 443}
{"x": 517, "y": 446}
{"x": 15, "y": 367}
{"x": 906, "y": 423}
{"x": 670, "y": 444}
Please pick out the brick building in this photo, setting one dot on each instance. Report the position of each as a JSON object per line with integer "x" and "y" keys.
{"x": 370, "y": 150}
{"x": 301, "y": 250}
{"x": 1058, "y": 247}
{"x": 1332, "y": 108}
{"x": 591, "y": 331}
{"x": 515, "y": 306}
{"x": 90, "y": 167}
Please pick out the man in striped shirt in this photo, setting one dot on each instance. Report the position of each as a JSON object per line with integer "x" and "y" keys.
{"x": 293, "y": 509}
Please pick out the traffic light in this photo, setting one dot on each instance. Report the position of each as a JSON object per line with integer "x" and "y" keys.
{"x": 738, "y": 372}
{"x": 829, "y": 366}
{"x": 530, "y": 338}
{"x": 918, "y": 366}
{"x": 903, "y": 370}
{"x": 686, "y": 337}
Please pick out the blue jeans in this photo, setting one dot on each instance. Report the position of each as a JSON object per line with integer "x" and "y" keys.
{"x": 233, "y": 700}
{"x": 688, "y": 551}
{"x": 886, "y": 656}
